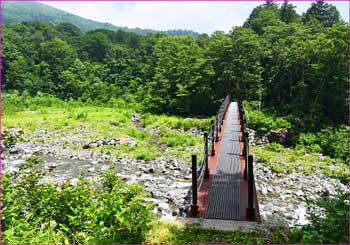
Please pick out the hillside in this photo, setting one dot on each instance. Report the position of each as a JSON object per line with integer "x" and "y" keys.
{"x": 16, "y": 12}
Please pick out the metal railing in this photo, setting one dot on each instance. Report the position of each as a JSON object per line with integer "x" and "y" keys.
{"x": 198, "y": 175}
{"x": 248, "y": 163}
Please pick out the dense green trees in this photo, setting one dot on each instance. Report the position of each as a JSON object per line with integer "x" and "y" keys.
{"x": 288, "y": 64}
{"x": 178, "y": 71}
{"x": 325, "y": 13}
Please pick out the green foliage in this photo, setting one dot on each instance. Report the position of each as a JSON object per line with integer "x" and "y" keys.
{"x": 171, "y": 138}
{"x": 178, "y": 70}
{"x": 331, "y": 226}
{"x": 288, "y": 67}
{"x": 167, "y": 233}
{"x": 263, "y": 122}
{"x": 298, "y": 159}
{"x": 85, "y": 213}
{"x": 8, "y": 140}
{"x": 308, "y": 141}
{"x": 174, "y": 122}
{"x": 325, "y": 13}
{"x": 46, "y": 111}
{"x": 332, "y": 141}
{"x": 275, "y": 147}
{"x": 288, "y": 13}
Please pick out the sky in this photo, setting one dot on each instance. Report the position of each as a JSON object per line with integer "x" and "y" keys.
{"x": 199, "y": 16}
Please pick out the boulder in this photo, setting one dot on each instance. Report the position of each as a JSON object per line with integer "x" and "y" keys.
{"x": 282, "y": 137}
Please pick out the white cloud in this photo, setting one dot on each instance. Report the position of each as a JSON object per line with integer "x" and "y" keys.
{"x": 197, "y": 16}
{"x": 102, "y": 11}
{"x": 200, "y": 16}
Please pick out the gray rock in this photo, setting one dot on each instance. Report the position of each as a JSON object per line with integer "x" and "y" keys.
{"x": 326, "y": 193}
{"x": 131, "y": 142}
{"x": 135, "y": 117}
{"x": 182, "y": 185}
{"x": 282, "y": 137}
{"x": 299, "y": 193}
{"x": 163, "y": 206}
{"x": 73, "y": 181}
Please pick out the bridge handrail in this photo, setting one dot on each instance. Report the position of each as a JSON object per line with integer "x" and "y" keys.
{"x": 248, "y": 168}
{"x": 203, "y": 171}
{"x": 208, "y": 137}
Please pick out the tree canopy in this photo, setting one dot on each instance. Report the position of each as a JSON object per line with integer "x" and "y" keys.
{"x": 288, "y": 64}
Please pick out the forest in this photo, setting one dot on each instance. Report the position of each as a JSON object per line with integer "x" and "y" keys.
{"x": 290, "y": 71}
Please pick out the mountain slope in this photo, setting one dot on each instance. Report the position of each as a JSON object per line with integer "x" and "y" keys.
{"x": 33, "y": 11}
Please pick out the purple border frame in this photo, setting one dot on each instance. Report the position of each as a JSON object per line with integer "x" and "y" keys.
{"x": 1, "y": 67}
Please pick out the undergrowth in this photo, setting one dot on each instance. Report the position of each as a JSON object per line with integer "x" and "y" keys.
{"x": 45, "y": 113}
{"x": 289, "y": 160}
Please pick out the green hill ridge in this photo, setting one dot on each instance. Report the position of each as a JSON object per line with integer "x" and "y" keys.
{"x": 16, "y": 12}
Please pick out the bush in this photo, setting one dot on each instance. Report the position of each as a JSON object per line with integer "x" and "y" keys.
{"x": 111, "y": 212}
{"x": 330, "y": 141}
{"x": 332, "y": 226}
{"x": 334, "y": 142}
{"x": 275, "y": 147}
{"x": 173, "y": 139}
{"x": 308, "y": 141}
{"x": 174, "y": 122}
{"x": 262, "y": 122}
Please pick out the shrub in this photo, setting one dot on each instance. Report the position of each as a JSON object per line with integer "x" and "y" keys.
{"x": 308, "y": 141}
{"x": 262, "y": 122}
{"x": 112, "y": 212}
{"x": 81, "y": 116}
{"x": 332, "y": 226}
{"x": 275, "y": 147}
{"x": 173, "y": 139}
{"x": 330, "y": 141}
{"x": 278, "y": 168}
{"x": 334, "y": 142}
{"x": 174, "y": 122}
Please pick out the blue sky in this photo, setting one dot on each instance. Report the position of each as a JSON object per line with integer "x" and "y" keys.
{"x": 202, "y": 17}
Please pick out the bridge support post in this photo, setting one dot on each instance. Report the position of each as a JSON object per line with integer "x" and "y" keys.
{"x": 222, "y": 115}
{"x": 217, "y": 129}
{"x": 212, "y": 150}
{"x": 206, "y": 173}
{"x": 245, "y": 154}
{"x": 194, "y": 205}
{"x": 250, "y": 209}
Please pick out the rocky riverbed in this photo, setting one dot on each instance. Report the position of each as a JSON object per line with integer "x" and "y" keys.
{"x": 167, "y": 181}
{"x": 282, "y": 197}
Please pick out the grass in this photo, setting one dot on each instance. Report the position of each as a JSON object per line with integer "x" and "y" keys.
{"x": 89, "y": 122}
{"x": 175, "y": 122}
{"x": 167, "y": 233}
{"x": 290, "y": 160}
